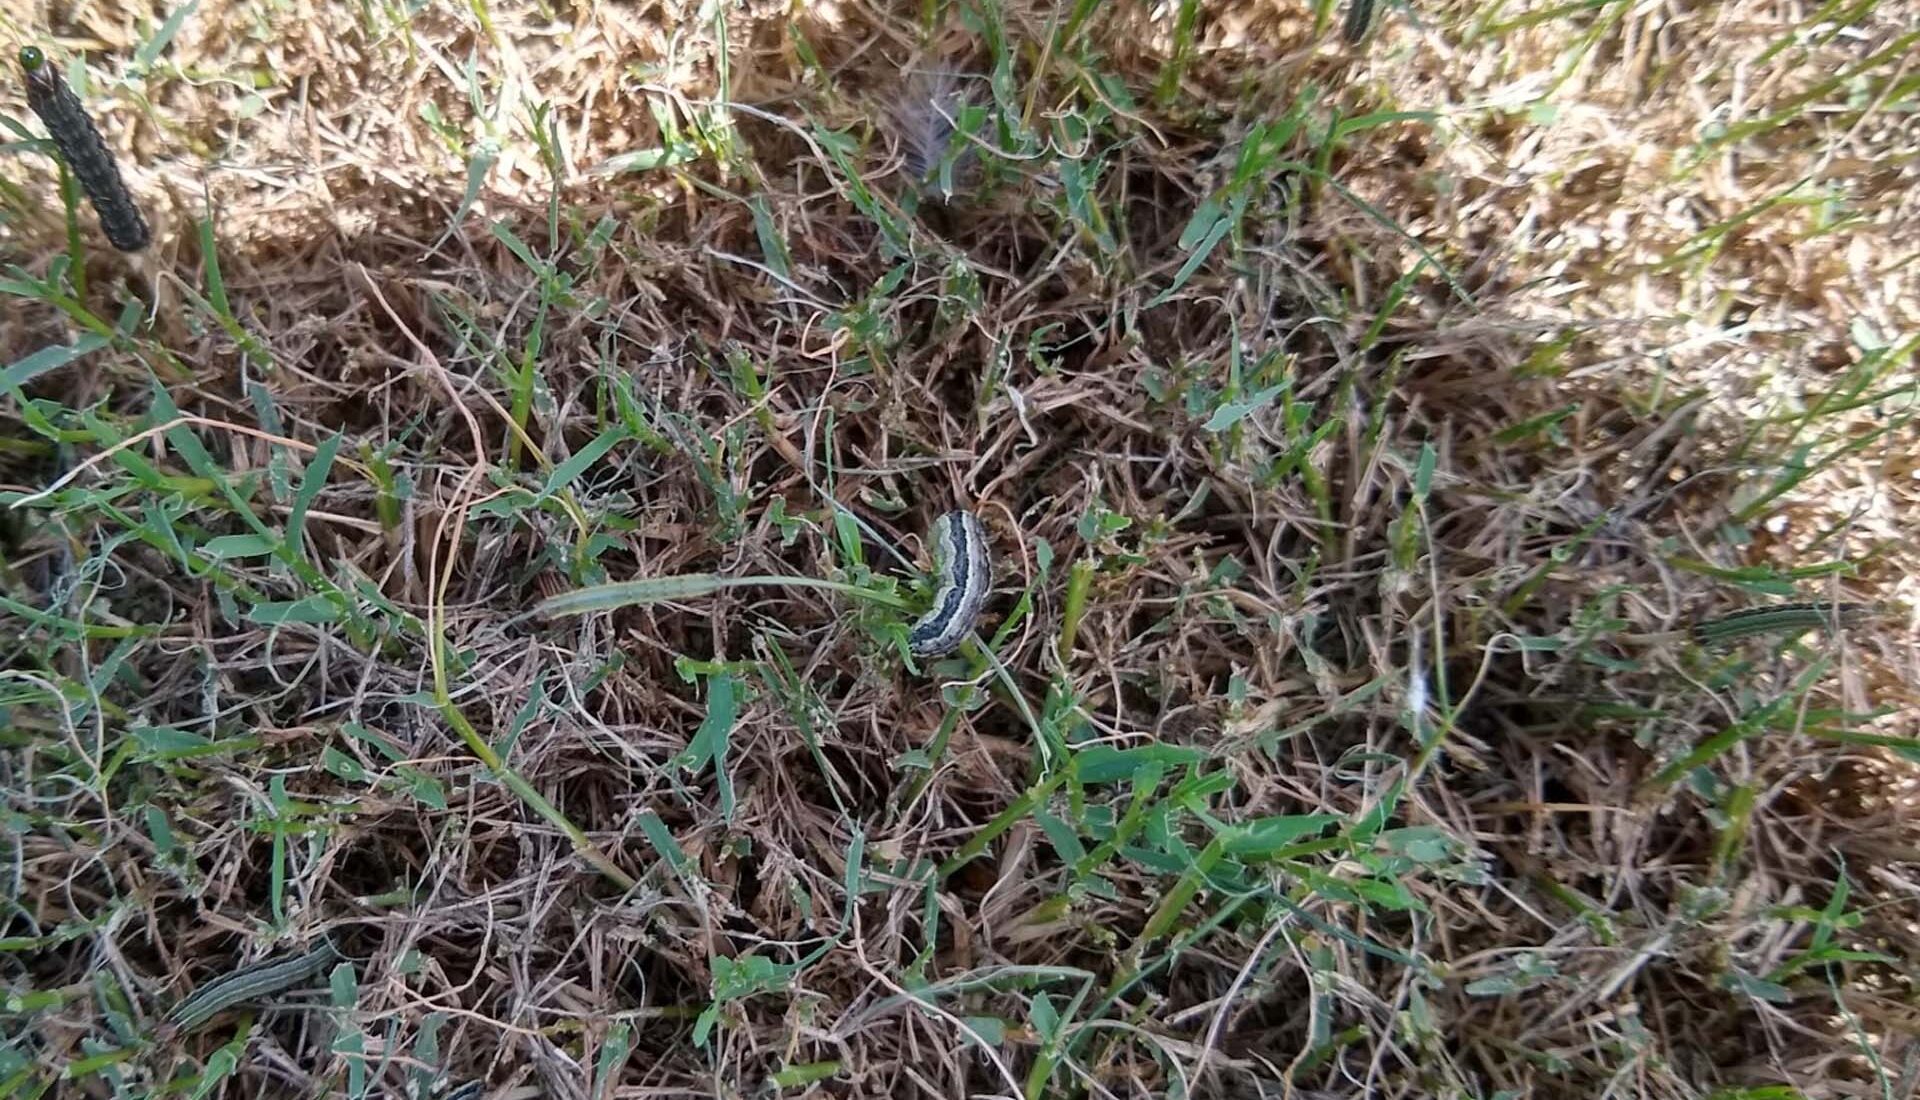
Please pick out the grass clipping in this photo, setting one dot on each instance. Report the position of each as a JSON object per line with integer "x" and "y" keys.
{"x": 1454, "y": 523}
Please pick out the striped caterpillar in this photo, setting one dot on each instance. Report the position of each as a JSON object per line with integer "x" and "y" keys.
{"x": 250, "y": 983}
{"x": 85, "y": 153}
{"x": 1359, "y": 19}
{"x": 963, "y": 566}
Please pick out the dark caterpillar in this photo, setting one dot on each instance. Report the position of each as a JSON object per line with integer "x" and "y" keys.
{"x": 86, "y": 155}
{"x": 1359, "y": 19}
{"x": 963, "y": 563}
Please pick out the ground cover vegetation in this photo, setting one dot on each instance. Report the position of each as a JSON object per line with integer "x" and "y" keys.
{"x": 1450, "y": 470}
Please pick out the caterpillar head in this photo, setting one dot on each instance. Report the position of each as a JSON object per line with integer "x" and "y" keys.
{"x": 39, "y": 73}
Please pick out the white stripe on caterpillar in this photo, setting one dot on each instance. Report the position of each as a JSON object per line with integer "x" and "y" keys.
{"x": 964, "y": 568}
{"x": 250, "y": 983}
{"x": 1359, "y": 21}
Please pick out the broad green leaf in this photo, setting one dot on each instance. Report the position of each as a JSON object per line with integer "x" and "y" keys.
{"x": 150, "y": 50}
{"x": 158, "y": 829}
{"x": 710, "y": 741}
{"x": 1233, "y": 412}
{"x": 662, "y": 841}
{"x": 1106, "y": 764}
{"x": 224, "y": 547}
{"x": 162, "y": 740}
{"x": 342, "y": 765}
{"x": 1200, "y": 226}
{"x": 1262, "y": 838}
{"x": 426, "y": 789}
{"x": 311, "y": 483}
{"x": 564, "y": 474}
{"x": 772, "y": 247}
{"x": 47, "y": 359}
{"x": 613, "y": 1055}
{"x": 612, "y": 597}
{"x": 1193, "y": 264}
{"x": 313, "y": 609}
{"x": 799, "y": 1075}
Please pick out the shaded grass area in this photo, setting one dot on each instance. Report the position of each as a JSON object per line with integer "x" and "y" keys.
{"x": 1374, "y": 702}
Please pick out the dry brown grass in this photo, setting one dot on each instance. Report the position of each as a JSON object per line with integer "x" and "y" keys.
{"x": 1487, "y": 657}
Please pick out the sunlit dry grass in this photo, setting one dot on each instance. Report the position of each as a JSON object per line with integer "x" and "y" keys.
{"x": 1375, "y": 440}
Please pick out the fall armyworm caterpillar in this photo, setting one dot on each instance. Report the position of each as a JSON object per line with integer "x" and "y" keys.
{"x": 250, "y": 983}
{"x": 85, "y": 153}
{"x": 964, "y": 568}
{"x": 1359, "y": 19}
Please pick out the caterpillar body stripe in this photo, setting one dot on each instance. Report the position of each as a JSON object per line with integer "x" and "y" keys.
{"x": 963, "y": 566}
{"x": 1779, "y": 618}
{"x": 86, "y": 155}
{"x": 250, "y": 983}
{"x": 1359, "y": 20}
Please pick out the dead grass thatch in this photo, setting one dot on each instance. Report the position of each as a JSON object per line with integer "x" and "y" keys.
{"x": 1541, "y": 339}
